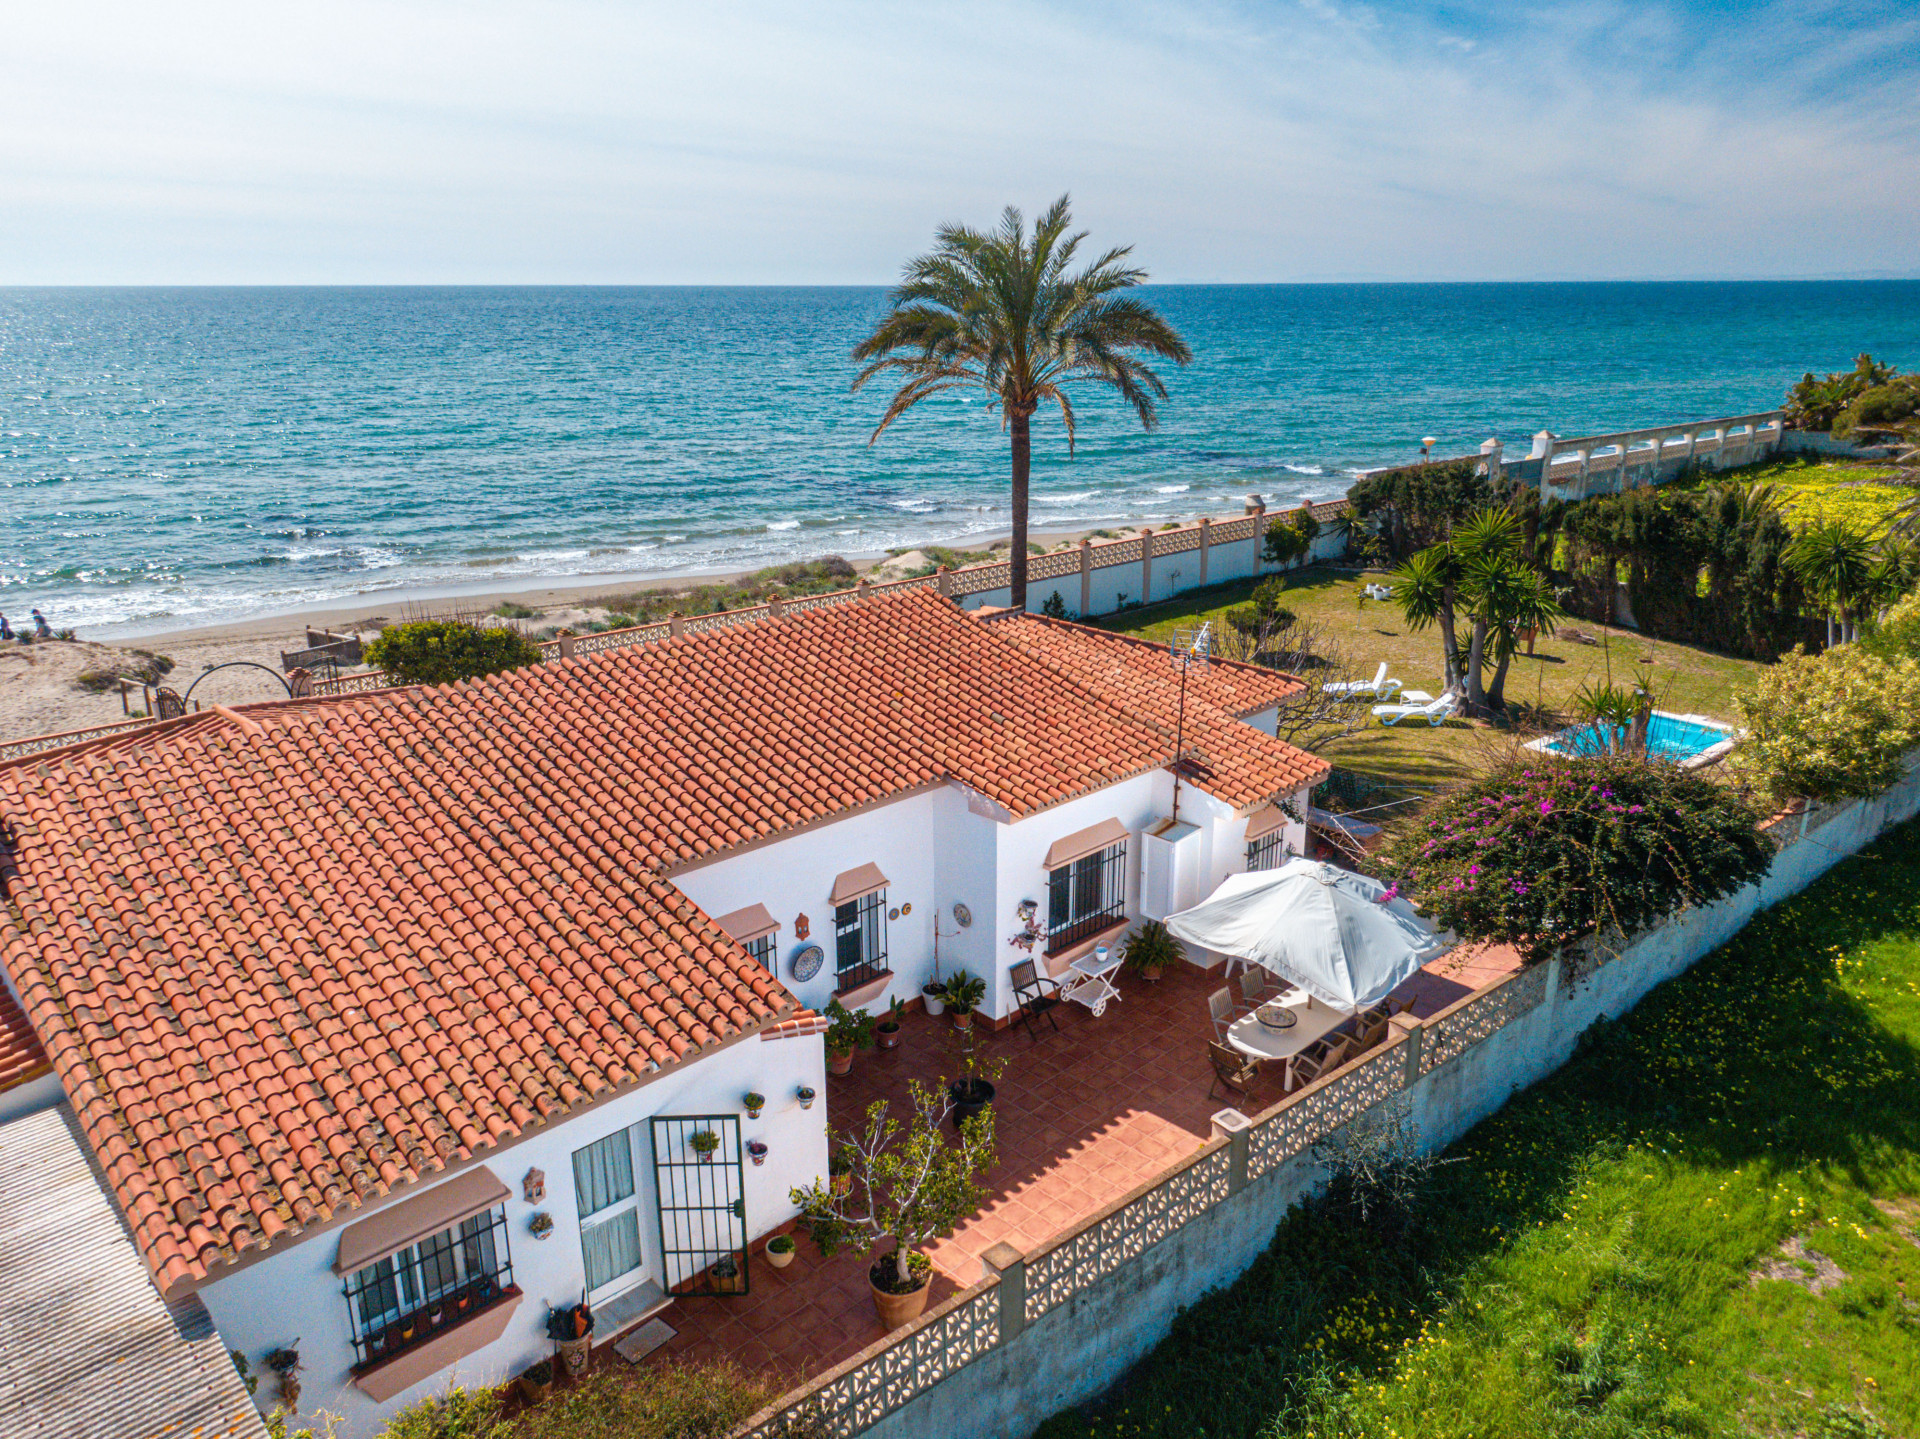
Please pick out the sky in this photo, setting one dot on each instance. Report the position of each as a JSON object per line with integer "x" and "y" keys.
{"x": 717, "y": 142}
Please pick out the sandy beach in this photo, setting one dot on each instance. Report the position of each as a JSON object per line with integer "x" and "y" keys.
{"x": 42, "y": 690}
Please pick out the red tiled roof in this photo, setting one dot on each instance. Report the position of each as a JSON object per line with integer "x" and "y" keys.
{"x": 21, "y": 1057}
{"x": 288, "y": 957}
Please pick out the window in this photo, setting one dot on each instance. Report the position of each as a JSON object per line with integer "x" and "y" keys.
{"x": 761, "y": 950}
{"x": 860, "y": 939}
{"x": 605, "y": 1197}
{"x": 416, "y": 1292}
{"x": 1085, "y": 896}
{"x": 1269, "y": 851}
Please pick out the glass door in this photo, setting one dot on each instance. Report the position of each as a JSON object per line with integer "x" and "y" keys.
{"x": 606, "y": 1198}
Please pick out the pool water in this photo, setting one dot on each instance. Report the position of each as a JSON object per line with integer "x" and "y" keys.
{"x": 1668, "y": 737}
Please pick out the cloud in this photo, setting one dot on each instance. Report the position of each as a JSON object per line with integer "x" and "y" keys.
{"x": 600, "y": 140}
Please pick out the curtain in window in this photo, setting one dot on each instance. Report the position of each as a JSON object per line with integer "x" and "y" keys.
{"x": 603, "y": 1173}
{"x": 611, "y": 1248}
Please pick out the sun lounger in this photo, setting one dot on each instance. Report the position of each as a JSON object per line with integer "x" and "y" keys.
{"x": 1435, "y": 713}
{"x": 1378, "y": 688}
{"x": 1379, "y": 592}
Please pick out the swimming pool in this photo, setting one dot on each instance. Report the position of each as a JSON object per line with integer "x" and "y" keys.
{"x": 1688, "y": 740}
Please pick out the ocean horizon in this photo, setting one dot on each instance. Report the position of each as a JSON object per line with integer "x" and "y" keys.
{"x": 175, "y": 457}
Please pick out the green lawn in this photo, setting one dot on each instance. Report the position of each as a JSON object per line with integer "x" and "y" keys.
{"x": 1706, "y": 1224}
{"x": 1689, "y": 681}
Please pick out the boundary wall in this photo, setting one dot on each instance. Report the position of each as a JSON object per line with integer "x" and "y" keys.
{"x": 1058, "y": 1326}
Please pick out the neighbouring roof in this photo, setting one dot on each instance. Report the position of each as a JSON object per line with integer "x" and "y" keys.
{"x": 290, "y": 957}
{"x": 86, "y": 1345}
{"x": 21, "y": 1056}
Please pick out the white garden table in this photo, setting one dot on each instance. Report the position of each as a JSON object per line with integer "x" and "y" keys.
{"x": 1089, "y": 979}
{"x": 1312, "y": 1020}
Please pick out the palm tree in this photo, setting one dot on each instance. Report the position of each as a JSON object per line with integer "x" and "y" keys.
{"x": 1835, "y": 563}
{"x": 1424, "y": 587}
{"x": 1003, "y": 312}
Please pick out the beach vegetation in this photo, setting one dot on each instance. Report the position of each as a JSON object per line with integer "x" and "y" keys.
{"x": 440, "y": 652}
{"x": 514, "y": 610}
{"x": 1704, "y": 1224}
{"x": 1834, "y": 725}
{"x": 1003, "y": 311}
{"x": 1543, "y": 851}
{"x": 1869, "y": 396}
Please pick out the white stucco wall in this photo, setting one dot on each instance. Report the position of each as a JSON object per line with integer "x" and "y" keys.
{"x": 295, "y": 1295}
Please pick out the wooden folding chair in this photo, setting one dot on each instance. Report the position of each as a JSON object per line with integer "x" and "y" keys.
{"x": 1235, "y": 1070}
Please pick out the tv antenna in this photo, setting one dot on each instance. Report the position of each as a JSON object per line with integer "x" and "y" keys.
{"x": 1190, "y": 649}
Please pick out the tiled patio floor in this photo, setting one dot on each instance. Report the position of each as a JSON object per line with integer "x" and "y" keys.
{"x": 1082, "y": 1117}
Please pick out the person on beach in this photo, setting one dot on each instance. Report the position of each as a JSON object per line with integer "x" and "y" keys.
{"x": 6, "y": 630}
{"x": 41, "y": 630}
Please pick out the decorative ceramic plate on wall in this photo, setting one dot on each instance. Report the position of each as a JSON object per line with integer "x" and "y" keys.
{"x": 962, "y": 916}
{"x": 807, "y": 962}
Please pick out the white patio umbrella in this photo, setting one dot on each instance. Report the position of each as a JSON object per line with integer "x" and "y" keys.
{"x": 1330, "y": 931}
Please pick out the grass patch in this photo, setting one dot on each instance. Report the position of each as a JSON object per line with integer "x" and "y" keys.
{"x": 1707, "y": 1223}
{"x": 1689, "y": 681}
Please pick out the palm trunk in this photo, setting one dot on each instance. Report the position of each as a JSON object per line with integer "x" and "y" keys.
{"x": 1022, "y": 463}
{"x": 1450, "y": 647}
{"x": 1476, "y": 696}
{"x": 1497, "y": 691}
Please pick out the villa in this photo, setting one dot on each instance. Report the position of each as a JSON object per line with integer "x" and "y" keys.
{"x": 394, "y": 1021}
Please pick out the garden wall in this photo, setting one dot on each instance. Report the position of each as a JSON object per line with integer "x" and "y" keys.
{"x": 1057, "y": 1327}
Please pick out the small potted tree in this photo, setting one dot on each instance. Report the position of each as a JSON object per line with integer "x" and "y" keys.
{"x": 973, "y": 1091}
{"x": 914, "y": 1181}
{"x": 754, "y": 1103}
{"x": 780, "y": 1250}
{"x": 847, "y": 1030}
{"x": 886, "y": 1034}
{"x": 1150, "y": 949}
{"x": 963, "y": 994}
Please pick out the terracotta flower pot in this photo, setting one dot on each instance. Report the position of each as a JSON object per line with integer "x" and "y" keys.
{"x": 1150, "y": 973}
{"x": 963, "y": 1019}
{"x": 840, "y": 1063}
{"x": 887, "y": 1037}
{"x": 898, "y": 1309}
{"x": 533, "y": 1393}
{"x": 780, "y": 1258}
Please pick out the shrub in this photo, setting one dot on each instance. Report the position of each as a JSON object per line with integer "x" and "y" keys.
{"x": 1541, "y": 852}
{"x": 438, "y": 652}
{"x": 1830, "y": 726}
{"x": 514, "y": 610}
{"x": 456, "y": 1414}
{"x": 1289, "y": 537}
{"x": 1053, "y": 607}
{"x": 1879, "y": 406}
{"x": 1152, "y": 946}
{"x": 655, "y": 1401}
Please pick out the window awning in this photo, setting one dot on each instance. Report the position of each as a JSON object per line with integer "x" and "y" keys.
{"x": 747, "y": 925}
{"x": 380, "y": 1235}
{"x": 1084, "y": 842}
{"x": 858, "y": 884}
{"x": 1264, "y": 821}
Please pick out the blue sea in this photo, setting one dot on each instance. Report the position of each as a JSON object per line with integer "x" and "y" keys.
{"x": 173, "y": 457}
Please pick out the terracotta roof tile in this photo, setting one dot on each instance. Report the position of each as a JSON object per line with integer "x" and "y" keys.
{"x": 21, "y": 1056}
{"x": 289, "y": 957}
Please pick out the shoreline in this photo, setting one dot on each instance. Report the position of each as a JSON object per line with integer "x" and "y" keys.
{"x": 557, "y": 592}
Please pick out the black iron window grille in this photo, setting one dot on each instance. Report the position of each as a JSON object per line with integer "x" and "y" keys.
{"x": 1085, "y": 896}
{"x": 407, "y": 1298}
{"x": 761, "y": 949}
{"x": 860, "y": 939}
{"x": 1267, "y": 852}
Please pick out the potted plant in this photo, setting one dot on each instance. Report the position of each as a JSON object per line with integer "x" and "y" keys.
{"x": 756, "y": 1151}
{"x": 932, "y": 995}
{"x": 703, "y": 1143}
{"x": 805, "y": 1094}
{"x": 847, "y": 1030}
{"x": 780, "y": 1250}
{"x": 840, "y": 1169}
{"x": 285, "y": 1362}
{"x": 973, "y": 1091}
{"x": 963, "y": 994}
{"x": 915, "y": 1181}
{"x": 726, "y": 1270}
{"x": 537, "y": 1382}
{"x": 541, "y": 1225}
{"x": 754, "y": 1103}
{"x": 1150, "y": 949}
{"x": 886, "y": 1034}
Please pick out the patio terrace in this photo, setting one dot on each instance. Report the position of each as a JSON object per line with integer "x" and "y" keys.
{"x": 1083, "y": 1117}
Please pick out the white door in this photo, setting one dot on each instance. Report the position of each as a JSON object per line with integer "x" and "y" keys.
{"x": 607, "y": 1198}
